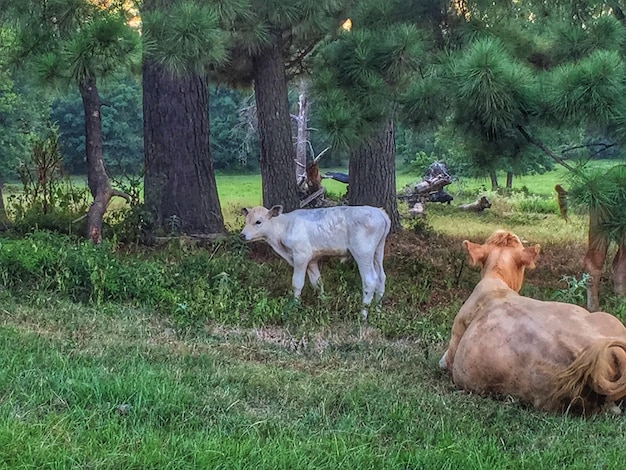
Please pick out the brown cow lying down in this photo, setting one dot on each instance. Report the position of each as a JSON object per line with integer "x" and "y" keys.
{"x": 477, "y": 206}
{"x": 551, "y": 355}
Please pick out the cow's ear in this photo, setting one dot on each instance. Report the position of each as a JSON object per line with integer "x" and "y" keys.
{"x": 477, "y": 253}
{"x": 529, "y": 256}
{"x": 275, "y": 211}
{"x": 244, "y": 211}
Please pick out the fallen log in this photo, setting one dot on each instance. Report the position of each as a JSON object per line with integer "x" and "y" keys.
{"x": 477, "y": 206}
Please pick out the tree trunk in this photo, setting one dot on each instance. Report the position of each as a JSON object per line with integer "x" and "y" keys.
{"x": 179, "y": 181}
{"x": 509, "y": 179}
{"x": 97, "y": 177}
{"x": 494, "y": 180}
{"x": 277, "y": 152}
{"x": 373, "y": 174}
{"x": 303, "y": 130}
{"x": 619, "y": 270}
{"x": 4, "y": 219}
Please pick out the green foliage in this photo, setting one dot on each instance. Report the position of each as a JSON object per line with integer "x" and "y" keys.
{"x": 523, "y": 202}
{"x": 187, "y": 283}
{"x": 494, "y": 92}
{"x": 48, "y": 200}
{"x": 575, "y": 290}
{"x": 234, "y": 142}
{"x": 185, "y": 38}
{"x": 22, "y": 118}
{"x": 571, "y": 42}
{"x": 424, "y": 102}
{"x": 40, "y": 179}
{"x": 420, "y": 163}
{"x": 590, "y": 90}
{"x": 87, "y": 44}
{"x": 604, "y": 194}
{"x": 361, "y": 74}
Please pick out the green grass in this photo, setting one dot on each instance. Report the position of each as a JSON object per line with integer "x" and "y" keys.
{"x": 237, "y": 191}
{"x": 191, "y": 357}
{"x": 533, "y": 217}
{"x": 121, "y": 389}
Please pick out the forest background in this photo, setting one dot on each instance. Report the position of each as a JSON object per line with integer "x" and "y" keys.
{"x": 514, "y": 87}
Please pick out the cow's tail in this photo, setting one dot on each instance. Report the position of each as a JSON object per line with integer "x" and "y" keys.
{"x": 596, "y": 377}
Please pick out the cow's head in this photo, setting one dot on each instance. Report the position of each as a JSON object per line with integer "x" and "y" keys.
{"x": 258, "y": 222}
{"x": 484, "y": 203}
{"x": 503, "y": 256}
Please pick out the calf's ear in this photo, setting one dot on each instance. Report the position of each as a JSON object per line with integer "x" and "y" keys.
{"x": 477, "y": 253}
{"x": 244, "y": 211}
{"x": 276, "y": 211}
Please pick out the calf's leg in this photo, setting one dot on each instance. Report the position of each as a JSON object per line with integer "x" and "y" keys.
{"x": 313, "y": 271}
{"x": 379, "y": 291}
{"x": 369, "y": 280}
{"x": 299, "y": 273}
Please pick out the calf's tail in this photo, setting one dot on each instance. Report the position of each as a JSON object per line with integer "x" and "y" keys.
{"x": 597, "y": 376}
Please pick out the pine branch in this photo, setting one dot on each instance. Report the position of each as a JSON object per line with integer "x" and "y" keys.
{"x": 545, "y": 149}
{"x": 582, "y": 146}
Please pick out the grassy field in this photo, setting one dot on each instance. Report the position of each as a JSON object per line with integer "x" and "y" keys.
{"x": 237, "y": 191}
{"x": 194, "y": 357}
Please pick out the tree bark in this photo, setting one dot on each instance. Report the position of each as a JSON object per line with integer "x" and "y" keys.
{"x": 4, "y": 219}
{"x": 97, "y": 178}
{"x": 277, "y": 152}
{"x": 303, "y": 131}
{"x": 494, "y": 180}
{"x": 179, "y": 181}
{"x": 373, "y": 174}
{"x": 509, "y": 179}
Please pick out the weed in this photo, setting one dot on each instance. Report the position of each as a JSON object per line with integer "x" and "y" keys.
{"x": 575, "y": 291}
{"x": 48, "y": 200}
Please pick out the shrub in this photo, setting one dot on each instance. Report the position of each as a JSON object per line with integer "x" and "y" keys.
{"x": 532, "y": 203}
{"x": 48, "y": 200}
{"x": 190, "y": 283}
{"x": 575, "y": 290}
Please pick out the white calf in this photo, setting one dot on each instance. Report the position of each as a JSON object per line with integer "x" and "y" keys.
{"x": 304, "y": 236}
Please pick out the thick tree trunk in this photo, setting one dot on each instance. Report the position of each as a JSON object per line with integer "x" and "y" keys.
{"x": 494, "y": 180}
{"x": 373, "y": 174}
{"x": 179, "y": 181}
{"x": 277, "y": 152}
{"x": 509, "y": 180}
{"x": 97, "y": 177}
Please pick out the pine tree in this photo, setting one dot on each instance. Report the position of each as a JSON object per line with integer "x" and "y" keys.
{"x": 78, "y": 43}
{"x": 360, "y": 77}
{"x": 271, "y": 41}
{"x": 182, "y": 41}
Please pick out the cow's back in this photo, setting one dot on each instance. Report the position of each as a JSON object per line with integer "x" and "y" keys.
{"x": 336, "y": 228}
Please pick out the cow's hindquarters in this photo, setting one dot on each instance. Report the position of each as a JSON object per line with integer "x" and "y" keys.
{"x": 597, "y": 376}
